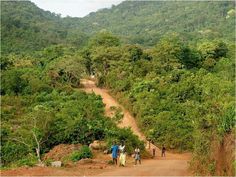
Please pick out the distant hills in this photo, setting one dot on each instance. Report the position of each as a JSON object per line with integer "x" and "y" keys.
{"x": 146, "y": 22}
{"x": 25, "y": 27}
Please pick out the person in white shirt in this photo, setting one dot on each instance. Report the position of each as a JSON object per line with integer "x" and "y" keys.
{"x": 137, "y": 156}
{"x": 122, "y": 154}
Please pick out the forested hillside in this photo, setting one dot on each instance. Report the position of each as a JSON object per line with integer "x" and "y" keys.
{"x": 31, "y": 28}
{"x": 26, "y": 28}
{"x": 181, "y": 96}
{"x": 41, "y": 109}
{"x": 171, "y": 64}
{"x": 146, "y": 22}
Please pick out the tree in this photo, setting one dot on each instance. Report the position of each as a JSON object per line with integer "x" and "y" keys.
{"x": 103, "y": 58}
{"x": 67, "y": 69}
{"x": 6, "y": 62}
{"x": 33, "y": 129}
{"x": 86, "y": 54}
{"x": 167, "y": 52}
{"x": 135, "y": 52}
{"x": 105, "y": 39}
{"x": 214, "y": 50}
{"x": 190, "y": 58}
{"x": 12, "y": 82}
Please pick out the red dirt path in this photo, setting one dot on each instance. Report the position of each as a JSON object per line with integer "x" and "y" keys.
{"x": 171, "y": 165}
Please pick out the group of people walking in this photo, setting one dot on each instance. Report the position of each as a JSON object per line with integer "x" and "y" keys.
{"x": 119, "y": 150}
{"x": 163, "y": 152}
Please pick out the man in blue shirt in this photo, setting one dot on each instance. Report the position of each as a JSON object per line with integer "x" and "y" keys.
{"x": 114, "y": 151}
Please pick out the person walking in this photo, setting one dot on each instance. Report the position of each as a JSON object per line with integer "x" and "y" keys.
{"x": 122, "y": 159}
{"x": 153, "y": 153}
{"x": 137, "y": 155}
{"x": 163, "y": 151}
{"x": 114, "y": 151}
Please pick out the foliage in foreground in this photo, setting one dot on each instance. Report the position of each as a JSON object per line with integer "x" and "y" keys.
{"x": 83, "y": 153}
{"x": 41, "y": 109}
{"x": 181, "y": 95}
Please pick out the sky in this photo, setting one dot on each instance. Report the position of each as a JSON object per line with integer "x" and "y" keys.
{"x": 74, "y": 8}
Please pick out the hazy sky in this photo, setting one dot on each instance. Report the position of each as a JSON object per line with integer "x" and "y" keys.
{"x": 74, "y": 8}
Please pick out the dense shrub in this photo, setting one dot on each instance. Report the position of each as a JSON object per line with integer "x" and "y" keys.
{"x": 60, "y": 117}
{"x": 29, "y": 160}
{"x": 124, "y": 135}
{"x": 83, "y": 153}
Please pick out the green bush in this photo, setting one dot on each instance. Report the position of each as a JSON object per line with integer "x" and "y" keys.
{"x": 83, "y": 153}
{"x": 29, "y": 160}
{"x": 48, "y": 162}
{"x": 124, "y": 135}
{"x": 11, "y": 152}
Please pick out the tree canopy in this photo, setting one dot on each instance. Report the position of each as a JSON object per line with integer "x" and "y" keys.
{"x": 171, "y": 64}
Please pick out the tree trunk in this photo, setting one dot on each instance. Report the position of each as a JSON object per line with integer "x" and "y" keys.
{"x": 38, "y": 154}
{"x": 38, "y": 147}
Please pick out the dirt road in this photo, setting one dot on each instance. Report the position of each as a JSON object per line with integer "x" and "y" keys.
{"x": 109, "y": 101}
{"x": 152, "y": 168}
{"x": 172, "y": 164}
